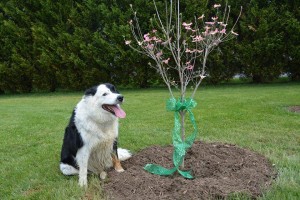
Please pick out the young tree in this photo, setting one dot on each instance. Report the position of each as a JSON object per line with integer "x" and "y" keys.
{"x": 181, "y": 47}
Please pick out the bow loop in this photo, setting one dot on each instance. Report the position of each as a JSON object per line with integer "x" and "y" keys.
{"x": 179, "y": 105}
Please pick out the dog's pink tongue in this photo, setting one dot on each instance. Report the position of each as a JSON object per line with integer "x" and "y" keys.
{"x": 119, "y": 112}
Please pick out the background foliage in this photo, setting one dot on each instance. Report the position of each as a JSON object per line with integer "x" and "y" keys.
{"x": 73, "y": 44}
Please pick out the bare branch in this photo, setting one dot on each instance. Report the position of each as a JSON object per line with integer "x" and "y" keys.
{"x": 189, "y": 46}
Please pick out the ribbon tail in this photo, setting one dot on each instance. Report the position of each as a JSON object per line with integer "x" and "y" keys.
{"x": 185, "y": 174}
{"x": 191, "y": 138}
{"x": 159, "y": 170}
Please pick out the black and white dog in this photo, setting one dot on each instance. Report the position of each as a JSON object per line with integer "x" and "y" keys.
{"x": 90, "y": 140}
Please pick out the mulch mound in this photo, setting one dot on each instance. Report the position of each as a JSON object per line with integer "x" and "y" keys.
{"x": 294, "y": 109}
{"x": 220, "y": 170}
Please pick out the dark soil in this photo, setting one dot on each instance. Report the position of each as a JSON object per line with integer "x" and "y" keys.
{"x": 294, "y": 109}
{"x": 220, "y": 170}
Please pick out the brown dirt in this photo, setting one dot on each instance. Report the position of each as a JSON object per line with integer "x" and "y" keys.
{"x": 219, "y": 169}
{"x": 294, "y": 109}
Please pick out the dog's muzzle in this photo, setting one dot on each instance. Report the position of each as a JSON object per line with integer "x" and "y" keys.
{"x": 115, "y": 109}
{"x": 120, "y": 98}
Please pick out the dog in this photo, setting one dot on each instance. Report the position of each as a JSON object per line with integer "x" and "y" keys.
{"x": 90, "y": 141}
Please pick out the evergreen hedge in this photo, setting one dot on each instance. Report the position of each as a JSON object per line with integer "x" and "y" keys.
{"x": 73, "y": 44}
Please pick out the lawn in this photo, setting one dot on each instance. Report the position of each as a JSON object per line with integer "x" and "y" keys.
{"x": 251, "y": 116}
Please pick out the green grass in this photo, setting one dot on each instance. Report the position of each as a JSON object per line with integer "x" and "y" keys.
{"x": 251, "y": 116}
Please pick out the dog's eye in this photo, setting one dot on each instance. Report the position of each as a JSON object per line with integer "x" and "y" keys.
{"x": 104, "y": 94}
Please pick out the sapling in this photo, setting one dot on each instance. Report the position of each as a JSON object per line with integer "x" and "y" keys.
{"x": 181, "y": 47}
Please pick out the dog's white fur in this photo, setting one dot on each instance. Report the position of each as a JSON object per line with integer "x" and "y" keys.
{"x": 98, "y": 129}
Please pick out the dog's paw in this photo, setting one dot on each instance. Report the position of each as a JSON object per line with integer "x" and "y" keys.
{"x": 103, "y": 175}
{"x": 119, "y": 169}
{"x": 82, "y": 182}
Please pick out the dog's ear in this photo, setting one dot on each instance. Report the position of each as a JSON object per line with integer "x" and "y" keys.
{"x": 111, "y": 87}
{"x": 91, "y": 91}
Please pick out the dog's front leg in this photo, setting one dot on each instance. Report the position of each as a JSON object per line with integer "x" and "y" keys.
{"x": 116, "y": 163}
{"x": 115, "y": 158}
{"x": 82, "y": 158}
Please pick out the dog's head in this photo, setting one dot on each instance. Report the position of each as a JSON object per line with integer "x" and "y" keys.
{"x": 107, "y": 98}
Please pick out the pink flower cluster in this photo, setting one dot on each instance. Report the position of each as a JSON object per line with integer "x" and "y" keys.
{"x": 149, "y": 43}
{"x": 187, "y": 26}
{"x": 148, "y": 38}
{"x": 212, "y": 28}
{"x": 213, "y": 31}
{"x": 197, "y": 39}
{"x": 193, "y": 51}
{"x": 189, "y": 66}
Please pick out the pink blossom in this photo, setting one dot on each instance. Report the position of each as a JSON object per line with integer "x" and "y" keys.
{"x": 154, "y": 31}
{"x": 159, "y": 54}
{"x": 189, "y": 66}
{"x": 166, "y": 61}
{"x": 201, "y": 17}
{"x": 234, "y": 33}
{"x": 150, "y": 46}
{"x": 127, "y": 42}
{"x": 210, "y": 23}
{"x": 147, "y": 38}
{"x": 188, "y": 51}
{"x": 185, "y": 24}
{"x": 188, "y": 28}
{"x": 198, "y": 38}
{"x": 146, "y": 35}
{"x": 194, "y": 50}
{"x": 217, "y": 5}
{"x": 214, "y": 32}
{"x": 154, "y": 38}
{"x": 214, "y": 18}
{"x": 207, "y": 28}
{"x": 202, "y": 76}
{"x": 223, "y": 31}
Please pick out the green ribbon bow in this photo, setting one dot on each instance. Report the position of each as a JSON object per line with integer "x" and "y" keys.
{"x": 179, "y": 145}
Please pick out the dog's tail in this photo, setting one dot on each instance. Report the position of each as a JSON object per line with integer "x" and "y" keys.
{"x": 123, "y": 154}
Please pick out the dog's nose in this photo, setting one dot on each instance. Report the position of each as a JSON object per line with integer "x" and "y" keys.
{"x": 120, "y": 98}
